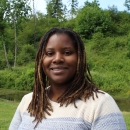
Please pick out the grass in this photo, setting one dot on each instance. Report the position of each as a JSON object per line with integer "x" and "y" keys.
{"x": 127, "y": 119}
{"x": 8, "y": 108}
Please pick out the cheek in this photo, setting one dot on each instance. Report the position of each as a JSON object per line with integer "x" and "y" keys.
{"x": 46, "y": 65}
{"x": 74, "y": 62}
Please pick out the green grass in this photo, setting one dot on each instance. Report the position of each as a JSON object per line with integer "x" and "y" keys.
{"x": 127, "y": 119}
{"x": 7, "y": 110}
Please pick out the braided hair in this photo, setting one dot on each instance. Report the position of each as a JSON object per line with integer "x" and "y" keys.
{"x": 82, "y": 87}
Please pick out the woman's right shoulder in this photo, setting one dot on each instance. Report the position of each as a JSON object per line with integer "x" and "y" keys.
{"x": 25, "y": 102}
{"x": 28, "y": 96}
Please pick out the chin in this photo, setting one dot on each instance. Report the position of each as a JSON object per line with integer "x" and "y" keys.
{"x": 59, "y": 81}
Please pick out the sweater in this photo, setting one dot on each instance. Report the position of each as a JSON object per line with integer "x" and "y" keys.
{"x": 99, "y": 114}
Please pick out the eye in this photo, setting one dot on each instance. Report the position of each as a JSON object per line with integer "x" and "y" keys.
{"x": 49, "y": 53}
{"x": 67, "y": 52}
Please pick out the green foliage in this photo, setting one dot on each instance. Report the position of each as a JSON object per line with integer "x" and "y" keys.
{"x": 105, "y": 32}
{"x": 17, "y": 10}
{"x": 43, "y": 24}
{"x": 91, "y": 20}
{"x": 70, "y": 24}
{"x": 10, "y": 57}
{"x": 26, "y": 55}
{"x": 3, "y": 7}
{"x": 120, "y": 21}
{"x": 98, "y": 39}
{"x": 109, "y": 63}
{"x": 2, "y": 61}
{"x": 55, "y": 9}
{"x": 25, "y": 81}
{"x": 94, "y": 4}
{"x": 127, "y": 4}
{"x": 19, "y": 79}
{"x": 74, "y": 8}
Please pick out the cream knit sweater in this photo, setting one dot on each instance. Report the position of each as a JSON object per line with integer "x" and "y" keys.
{"x": 99, "y": 114}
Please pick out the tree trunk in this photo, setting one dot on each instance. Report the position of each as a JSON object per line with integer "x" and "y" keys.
{"x": 15, "y": 35}
{"x": 34, "y": 17}
{"x": 6, "y": 56}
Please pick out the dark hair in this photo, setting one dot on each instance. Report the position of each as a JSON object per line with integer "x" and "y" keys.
{"x": 82, "y": 86}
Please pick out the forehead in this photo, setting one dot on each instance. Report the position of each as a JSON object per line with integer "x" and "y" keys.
{"x": 60, "y": 40}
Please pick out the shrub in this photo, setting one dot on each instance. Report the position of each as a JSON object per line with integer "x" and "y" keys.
{"x": 26, "y": 55}
{"x": 18, "y": 79}
{"x": 25, "y": 81}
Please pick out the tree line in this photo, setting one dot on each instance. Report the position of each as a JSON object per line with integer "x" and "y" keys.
{"x": 21, "y": 28}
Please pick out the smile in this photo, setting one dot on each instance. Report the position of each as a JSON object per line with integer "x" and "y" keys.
{"x": 58, "y": 70}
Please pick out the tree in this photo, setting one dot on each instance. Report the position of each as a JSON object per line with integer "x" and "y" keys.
{"x": 74, "y": 8}
{"x": 18, "y": 10}
{"x": 127, "y": 4}
{"x": 3, "y": 12}
{"x": 34, "y": 17}
{"x": 6, "y": 56}
{"x": 55, "y": 9}
{"x": 91, "y": 20}
{"x": 94, "y": 4}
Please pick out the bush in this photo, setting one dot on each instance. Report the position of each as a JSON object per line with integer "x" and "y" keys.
{"x": 26, "y": 55}
{"x": 18, "y": 79}
{"x": 25, "y": 81}
{"x": 91, "y": 20}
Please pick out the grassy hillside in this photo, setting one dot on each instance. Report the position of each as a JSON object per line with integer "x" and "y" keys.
{"x": 109, "y": 61}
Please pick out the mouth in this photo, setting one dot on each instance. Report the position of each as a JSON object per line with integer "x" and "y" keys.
{"x": 58, "y": 70}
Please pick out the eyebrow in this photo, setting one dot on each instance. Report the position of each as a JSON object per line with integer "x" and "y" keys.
{"x": 50, "y": 48}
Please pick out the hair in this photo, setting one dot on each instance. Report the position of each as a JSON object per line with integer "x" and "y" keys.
{"x": 82, "y": 87}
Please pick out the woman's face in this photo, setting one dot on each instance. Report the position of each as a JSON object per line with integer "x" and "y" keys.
{"x": 60, "y": 59}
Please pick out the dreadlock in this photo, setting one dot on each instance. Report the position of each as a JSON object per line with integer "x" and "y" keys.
{"x": 82, "y": 86}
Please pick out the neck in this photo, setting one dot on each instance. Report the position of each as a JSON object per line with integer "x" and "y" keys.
{"x": 56, "y": 91}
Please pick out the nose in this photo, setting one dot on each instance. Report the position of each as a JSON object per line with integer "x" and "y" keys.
{"x": 58, "y": 58}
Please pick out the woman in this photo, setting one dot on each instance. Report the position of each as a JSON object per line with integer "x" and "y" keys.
{"x": 64, "y": 96}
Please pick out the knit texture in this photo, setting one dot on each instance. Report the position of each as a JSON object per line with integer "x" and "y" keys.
{"x": 99, "y": 114}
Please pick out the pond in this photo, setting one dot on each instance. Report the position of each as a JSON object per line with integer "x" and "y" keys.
{"x": 13, "y": 96}
{"x": 124, "y": 103}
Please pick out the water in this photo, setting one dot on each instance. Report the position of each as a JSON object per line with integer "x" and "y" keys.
{"x": 124, "y": 103}
{"x": 13, "y": 97}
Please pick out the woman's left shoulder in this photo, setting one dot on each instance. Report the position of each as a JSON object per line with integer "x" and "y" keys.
{"x": 102, "y": 96}
{"x": 105, "y": 101}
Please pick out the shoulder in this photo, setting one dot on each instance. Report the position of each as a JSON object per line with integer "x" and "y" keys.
{"x": 105, "y": 98}
{"x": 28, "y": 96}
{"x": 101, "y": 97}
{"x": 107, "y": 112}
{"x": 103, "y": 104}
{"x": 23, "y": 105}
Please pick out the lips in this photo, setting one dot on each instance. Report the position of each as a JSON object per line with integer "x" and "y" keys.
{"x": 58, "y": 70}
